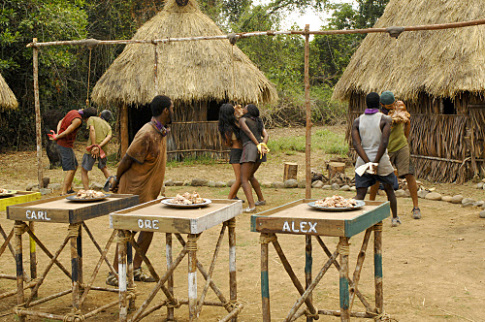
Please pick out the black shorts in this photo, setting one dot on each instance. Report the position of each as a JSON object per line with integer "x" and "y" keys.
{"x": 251, "y": 154}
{"x": 367, "y": 180}
{"x": 68, "y": 158}
{"x": 235, "y": 156}
{"x": 89, "y": 161}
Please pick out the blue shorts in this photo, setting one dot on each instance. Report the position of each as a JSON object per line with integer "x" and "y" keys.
{"x": 368, "y": 180}
{"x": 89, "y": 161}
{"x": 68, "y": 158}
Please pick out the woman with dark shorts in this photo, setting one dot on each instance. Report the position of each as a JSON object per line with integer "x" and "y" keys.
{"x": 231, "y": 136}
{"x": 254, "y": 138}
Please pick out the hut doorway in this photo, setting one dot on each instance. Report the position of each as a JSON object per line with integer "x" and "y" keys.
{"x": 448, "y": 106}
{"x": 137, "y": 116}
{"x": 213, "y": 108}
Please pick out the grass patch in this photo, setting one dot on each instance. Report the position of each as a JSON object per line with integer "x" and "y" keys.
{"x": 324, "y": 140}
{"x": 191, "y": 161}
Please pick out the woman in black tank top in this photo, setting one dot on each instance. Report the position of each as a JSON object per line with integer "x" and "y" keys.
{"x": 252, "y": 134}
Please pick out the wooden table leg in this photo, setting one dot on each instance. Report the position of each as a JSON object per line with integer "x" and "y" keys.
{"x": 265, "y": 278}
{"x": 169, "y": 257}
{"x": 192, "y": 276}
{"x": 33, "y": 255}
{"x": 79, "y": 241}
{"x": 129, "y": 270}
{"x": 73, "y": 235}
{"x": 122, "y": 283}
{"x": 343, "y": 249}
{"x": 308, "y": 268}
{"x": 232, "y": 262}
{"x": 378, "y": 267}
{"x": 18, "y": 229}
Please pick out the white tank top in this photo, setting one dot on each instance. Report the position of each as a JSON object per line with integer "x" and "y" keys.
{"x": 370, "y": 136}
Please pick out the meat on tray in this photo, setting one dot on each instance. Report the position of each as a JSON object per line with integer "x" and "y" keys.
{"x": 89, "y": 194}
{"x": 336, "y": 202}
{"x": 187, "y": 199}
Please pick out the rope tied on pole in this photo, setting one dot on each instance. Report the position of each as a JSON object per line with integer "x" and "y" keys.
{"x": 230, "y": 223}
{"x": 74, "y": 317}
{"x": 21, "y": 228}
{"x": 394, "y": 32}
{"x": 343, "y": 249}
{"x": 378, "y": 226}
{"x": 191, "y": 244}
{"x": 73, "y": 230}
{"x": 266, "y": 239}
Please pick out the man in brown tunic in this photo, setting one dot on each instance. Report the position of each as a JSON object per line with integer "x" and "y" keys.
{"x": 142, "y": 170}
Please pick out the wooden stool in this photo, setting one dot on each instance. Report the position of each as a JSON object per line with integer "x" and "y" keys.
{"x": 334, "y": 168}
{"x": 154, "y": 217}
{"x": 18, "y": 197}
{"x": 299, "y": 219}
{"x": 290, "y": 171}
{"x": 60, "y": 210}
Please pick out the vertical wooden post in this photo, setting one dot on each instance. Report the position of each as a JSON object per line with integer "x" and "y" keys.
{"x": 130, "y": 275}
{"x": 122, "y": 283}
{"x": 343, "y": 248}
{"x": 19, "y": 265}
{"x": 308, "y": 190}
{"x": 192, "y": 276}
{"x": 38, "y": 119}
{"x": 308, "y": 268}
{"x": 73, "y": 234}
{"x": 33, "y": 255}
{"x": 79, "y": 243}
{"x": 232, "y": 262}
{"x": 378, "y": 267}
{"x": 168, "y": 255}
{"x": 265, "y": 278}
{"x": 124, "y": 138}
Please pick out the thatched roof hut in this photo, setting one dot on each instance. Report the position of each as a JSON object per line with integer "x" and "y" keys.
{"x": 7, "y": 98}
{"x": 439, "y": 74}
{"x": 197, "y": 75}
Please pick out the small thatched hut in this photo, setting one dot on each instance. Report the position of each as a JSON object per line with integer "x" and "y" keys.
{"x": 440, "y": 75}
{"x": 198, "y": 75}
{"x": 7, "y": 98}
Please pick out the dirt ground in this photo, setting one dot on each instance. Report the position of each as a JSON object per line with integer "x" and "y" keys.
{"x": 433, "y": 268}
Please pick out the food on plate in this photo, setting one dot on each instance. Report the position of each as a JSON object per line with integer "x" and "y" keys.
{"x": 336, "y": 202}
{"x": 89, "y": 194}
{"x": 187, "y": 199}
{"x": 2, "y": 191}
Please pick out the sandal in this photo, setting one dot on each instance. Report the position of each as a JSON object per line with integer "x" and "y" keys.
{"x": 395, "y": 222}
{"x": 249, "y": 209}
{"x": 107, "y": 184}
{"x": 416, "y": 213}
{"x": 236, "y": 198}
{"x": 112, "y": 280}
{"x": 142, "y": 277}
{"x": 260, "y": 203}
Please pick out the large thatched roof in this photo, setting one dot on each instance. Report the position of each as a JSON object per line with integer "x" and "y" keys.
{"x": 187, "y": 71}
{"x": 441, "y": 63}
{"x": 7, "y": 98}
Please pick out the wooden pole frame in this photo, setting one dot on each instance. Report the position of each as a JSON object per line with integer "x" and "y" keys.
{"x": 393, "y": 31}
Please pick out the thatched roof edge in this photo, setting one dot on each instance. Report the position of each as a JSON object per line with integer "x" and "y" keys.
{"x": 7, "y": 97}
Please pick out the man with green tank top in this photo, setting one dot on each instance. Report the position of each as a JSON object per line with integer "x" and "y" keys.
{"x": 398, "y": 149}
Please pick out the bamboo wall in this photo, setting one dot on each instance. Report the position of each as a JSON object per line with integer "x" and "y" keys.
{"x": 444, "y": 147}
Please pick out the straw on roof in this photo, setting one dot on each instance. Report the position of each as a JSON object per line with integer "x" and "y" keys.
{"x": 187, "y": 71}
{"x": 7, "y": 98}
{"x": 441, "y": 63}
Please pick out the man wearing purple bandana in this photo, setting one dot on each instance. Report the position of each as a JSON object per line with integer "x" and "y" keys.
{"x": 142, "y": 171}
{"x": 370, "y": 136}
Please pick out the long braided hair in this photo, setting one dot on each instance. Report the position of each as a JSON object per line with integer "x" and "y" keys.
{"x": 227, "y": 124}
{"x": 253, "y": 113}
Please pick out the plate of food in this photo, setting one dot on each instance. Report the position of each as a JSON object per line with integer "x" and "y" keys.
{"x": 187, "y": 200}
{"x": 337, "y": 203}
{"x": 6, "y": 193}
{"x": 88, "y": 196}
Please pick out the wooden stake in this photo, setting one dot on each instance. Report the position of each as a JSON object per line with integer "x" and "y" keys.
{"x": 38, "y": 118}
{"x": 19, "y": 266}
{"x": 192, "y": 278}
{"x": 122, "y": 283}
{"x": 33, "y": 255}
{"x": 344, "y": 281}
{"x": 124, "y": 137}
{"x": 265, "y": 279}
{"x": 74, "y": 234}
{"x": 168, "y": 255}
{"x": 232, "y": 263}
{"x": 308, "y": 271}
{"x": 308, "y": 144}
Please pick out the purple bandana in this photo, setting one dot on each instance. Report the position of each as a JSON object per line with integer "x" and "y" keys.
{"x": 160, "y": 127}
{"x": 371, "y": 110}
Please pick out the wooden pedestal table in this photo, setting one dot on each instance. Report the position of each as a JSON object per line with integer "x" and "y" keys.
{"x": 18, "y": 197}
{"x": 299, "y": 219}
{"x": 60, "y": 210}
{"x": 155, "y": 217}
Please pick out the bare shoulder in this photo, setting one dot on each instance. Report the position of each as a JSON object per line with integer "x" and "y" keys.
{"x": 356, "y": 122}
{"x": 386, "y": 118}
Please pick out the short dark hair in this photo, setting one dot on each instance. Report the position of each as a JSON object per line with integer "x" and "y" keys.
{"x": 88, "y": 112}
{"x": 106, "y": 115}
{"x": 159, "y": 103}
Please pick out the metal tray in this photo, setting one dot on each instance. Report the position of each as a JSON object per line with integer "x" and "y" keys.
{"x": 167, "y": 202}
{"x": 76, "y": 199}
{"x": 360, "y": 204}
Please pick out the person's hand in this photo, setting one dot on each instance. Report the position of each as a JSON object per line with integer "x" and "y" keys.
{"x": 114, "y": 186}
{"x": 373, "y": 168}
{"x": 95, "y": 152}
{"x": 53, "y": 136}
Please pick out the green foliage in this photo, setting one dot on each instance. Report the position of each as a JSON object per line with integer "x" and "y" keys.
{"x": 191, "y": 161}
{"x": 323, "y": 140}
